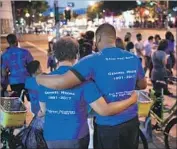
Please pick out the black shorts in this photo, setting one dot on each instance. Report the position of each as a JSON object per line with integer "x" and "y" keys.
{"x": 123, "y": 136}
{"x": 18, "y": 89}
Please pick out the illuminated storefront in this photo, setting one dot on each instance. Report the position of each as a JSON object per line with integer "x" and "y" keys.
{"x": 6, "y": 19}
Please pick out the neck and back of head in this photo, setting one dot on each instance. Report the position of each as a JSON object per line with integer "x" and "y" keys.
{"x": 12, "y": 40}
{"x": 66, "y": 50}
{"x": 105, "y": 36}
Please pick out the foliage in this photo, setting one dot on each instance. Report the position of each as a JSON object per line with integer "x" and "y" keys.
{"x": 92, "y": 11}
{"x": 33, "y": 8}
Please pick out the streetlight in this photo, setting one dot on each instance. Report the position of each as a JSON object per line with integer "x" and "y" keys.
{"x": 67, "y": 8}
{"x": 40, "y": 14}
{"x": 51, "y": 14}
{"x": 151, "y": 3}
{"x": 27, "y": 15}
{"x": 91, "y": 3}
{"x": 175, "y": 9}
{"x": 146, "y": 12}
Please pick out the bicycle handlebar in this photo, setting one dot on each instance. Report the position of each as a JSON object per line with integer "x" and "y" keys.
{"x": 168, "y": 77}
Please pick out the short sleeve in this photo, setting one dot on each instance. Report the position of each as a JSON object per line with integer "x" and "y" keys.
{"x": 42, "y": 96}
{"x": 84, "y": 69}
{"x": 31, "y": 83}
{"x": 140, "y": 70}
{"x": 26, "y": 84}
{"x": 91, "y": 92}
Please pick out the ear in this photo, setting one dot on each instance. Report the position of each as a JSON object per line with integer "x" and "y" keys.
{"x": 98, "y": 38}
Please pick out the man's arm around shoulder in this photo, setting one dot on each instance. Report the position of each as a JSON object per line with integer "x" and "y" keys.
{"x": 106, "y": 109}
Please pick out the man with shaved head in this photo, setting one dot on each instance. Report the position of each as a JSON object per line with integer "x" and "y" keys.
{"x": 116, "y": 73}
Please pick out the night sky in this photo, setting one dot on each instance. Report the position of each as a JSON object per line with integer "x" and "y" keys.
{"x": 116, "y": 6}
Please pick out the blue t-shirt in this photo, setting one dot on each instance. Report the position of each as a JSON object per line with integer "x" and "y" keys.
{"x": 33, "y": 91}
{"x": 15, "y": 61}
{"x": 115, "y": 72}
{"x": 66, "y": 110}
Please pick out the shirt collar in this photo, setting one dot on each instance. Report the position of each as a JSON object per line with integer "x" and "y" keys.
{"x": 63, "y": 67}
{"x": 110, "y": 48}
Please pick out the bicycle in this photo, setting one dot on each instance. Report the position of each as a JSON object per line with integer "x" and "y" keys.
{"x": 158, "y": 110}
{"x": 143, "y": 139}
{"x": 12, "y": 117}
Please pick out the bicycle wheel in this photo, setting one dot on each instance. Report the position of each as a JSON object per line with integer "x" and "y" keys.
{"x": 143, "y": 139}
{"x": 170, "y": 136}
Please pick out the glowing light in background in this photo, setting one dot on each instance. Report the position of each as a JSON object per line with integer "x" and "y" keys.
{"x": 146, "y": 12}
{"x": 27, "y": 15}
{"x": 91, "y": 3}
{"x": 51, "y": 14}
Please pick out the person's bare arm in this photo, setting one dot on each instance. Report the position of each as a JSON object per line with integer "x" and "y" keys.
{"x": 105, "y": 109}
{"x": 142, "y": 84}
{"x": 165, "y": 60}
{"x": 68, "y": 80}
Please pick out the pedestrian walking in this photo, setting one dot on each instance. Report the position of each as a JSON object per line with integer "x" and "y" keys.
{"x": 34, "y": 69}
{"x": 148, "y": 51}
{"x": 51, "y": 62}
{"x": 139, "y": 47}
{"x": 120, "y": 43}
{"x": 157, "y": 40}
{"x": 14, "y": 62}
{"x": 159, "y": 71}
{"x": 129, "y": 46}
{"x": 170, "y": 51}
{"x": 86, "y": 49}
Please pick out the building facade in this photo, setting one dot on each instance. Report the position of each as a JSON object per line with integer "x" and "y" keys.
{"x": 6, "y": 18}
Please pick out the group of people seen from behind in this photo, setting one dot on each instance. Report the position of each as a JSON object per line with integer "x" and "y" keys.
{"x": 88, "y": 78}
{"x": 157, "y": 55}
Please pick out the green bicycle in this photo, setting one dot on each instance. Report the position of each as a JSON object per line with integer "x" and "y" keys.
{"x": 158, "y": 111}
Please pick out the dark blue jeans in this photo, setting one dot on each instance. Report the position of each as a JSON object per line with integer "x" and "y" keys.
{"x": 123, "y": 136}
{"x": 69, "y": 144}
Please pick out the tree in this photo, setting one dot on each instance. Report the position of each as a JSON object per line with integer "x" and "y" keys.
{"x": 33, "y": 8}
{"x": 119, "y": 6}
{"x": 93, "y": 11}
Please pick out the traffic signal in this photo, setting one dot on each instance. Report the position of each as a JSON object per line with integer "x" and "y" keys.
{"x": 70, "y": 4}
{"x": 56, "y": 13}
{"x": 68, "y": 14}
